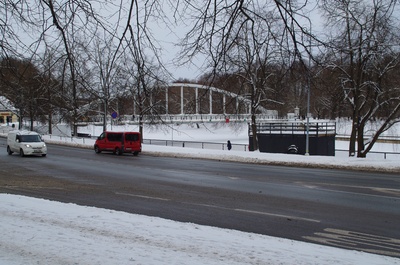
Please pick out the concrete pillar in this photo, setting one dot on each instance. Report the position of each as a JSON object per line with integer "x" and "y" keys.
{"x": 210, "y": 91}
{"x": 197, "y": 100}
{"x": 166, "y": 100}
{"x": 224, "y": 103}
{"x": 182, "y": 112}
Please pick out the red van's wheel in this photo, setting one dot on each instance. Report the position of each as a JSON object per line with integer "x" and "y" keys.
{"x": 97, "y": 149}
{"x": 118, "y": 151}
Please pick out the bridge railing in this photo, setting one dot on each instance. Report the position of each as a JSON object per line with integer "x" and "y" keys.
{"x": 182, "y": 118}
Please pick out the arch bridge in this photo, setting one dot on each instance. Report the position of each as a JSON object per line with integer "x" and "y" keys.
{"x": 188, "y": 102}
{"x": 210, "y": 90}
{"x": 188, "y": 99}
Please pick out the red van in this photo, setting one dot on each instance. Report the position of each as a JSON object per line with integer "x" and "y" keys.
{"x": 119, "y": 143}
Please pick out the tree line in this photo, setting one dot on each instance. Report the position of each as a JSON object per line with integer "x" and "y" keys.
{"x": 63, "y": 60}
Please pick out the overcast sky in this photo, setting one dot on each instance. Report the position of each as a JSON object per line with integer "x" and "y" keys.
{"x": 167, "y": 36}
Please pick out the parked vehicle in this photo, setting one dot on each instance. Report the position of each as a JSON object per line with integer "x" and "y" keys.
{"x": 119, "y": 143}
{"x": 25, "y": 143}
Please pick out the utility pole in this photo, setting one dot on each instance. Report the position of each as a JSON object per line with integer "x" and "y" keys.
{"x": 308, "y": 99}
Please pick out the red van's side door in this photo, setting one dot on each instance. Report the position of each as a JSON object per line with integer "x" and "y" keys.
{"x": 114, "y": 141}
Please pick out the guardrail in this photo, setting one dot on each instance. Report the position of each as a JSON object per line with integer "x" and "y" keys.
{"x": 384, "y": 153}
{"x": 236, "y": 147}
{"x": 382, "y": 138}
{"x": 193, "y": 144}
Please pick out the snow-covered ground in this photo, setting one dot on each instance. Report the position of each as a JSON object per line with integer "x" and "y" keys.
{"x": 37, "y": 231}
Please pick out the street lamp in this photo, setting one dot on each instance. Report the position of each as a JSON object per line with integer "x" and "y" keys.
{"x": 308, "y": 98}
{"x": 308, "y": 116}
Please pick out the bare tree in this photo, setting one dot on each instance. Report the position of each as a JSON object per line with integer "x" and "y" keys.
{"x": 364, "y": 50}
{"x": 21, "y": 83}
{"x": 252, "y": 59}
{"x": 48, "y": 65}
{"x": 71, "y": 18}
{"x": 217, "y": 25}
{"x": 139, "y": 44}
{"x": 105, "y": 75}
{"x": 220, "y": 28}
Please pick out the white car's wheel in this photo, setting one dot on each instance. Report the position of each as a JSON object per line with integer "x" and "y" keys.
{"x": 9, "y": 150}
{"x": 21, "y": 152}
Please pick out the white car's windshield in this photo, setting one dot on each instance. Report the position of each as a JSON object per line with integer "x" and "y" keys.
{"x": 29, "y": 138}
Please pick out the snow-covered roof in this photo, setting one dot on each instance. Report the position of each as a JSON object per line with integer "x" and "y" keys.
{"x": 6, "y": 104}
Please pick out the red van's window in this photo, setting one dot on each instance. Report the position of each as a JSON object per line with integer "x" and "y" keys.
{"x": 131, "y": 137}
{"x": 114, "y": 137}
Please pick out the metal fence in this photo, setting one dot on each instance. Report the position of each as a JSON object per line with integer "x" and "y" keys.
{"x": 377, "y": 154}
{"x": 192, "y": 144}
{"x": 244, "y": 147}
{"x": 296, "y": 127}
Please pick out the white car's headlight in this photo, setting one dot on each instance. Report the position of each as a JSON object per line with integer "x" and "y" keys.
{"x": 28, "y": 145}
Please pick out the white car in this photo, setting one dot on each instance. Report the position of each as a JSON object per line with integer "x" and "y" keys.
{"x": 25, "y": 143}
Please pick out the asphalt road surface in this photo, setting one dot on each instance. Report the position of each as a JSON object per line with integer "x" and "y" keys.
{"x": 347, "y": 209}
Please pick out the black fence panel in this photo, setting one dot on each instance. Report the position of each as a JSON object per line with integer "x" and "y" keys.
{"x": 295, "y": 143}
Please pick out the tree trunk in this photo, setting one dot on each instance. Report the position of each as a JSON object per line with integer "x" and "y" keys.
{"x": 141, "y": 128}
{"x": 50, "y": 122}
{"x": 360, "y": 140}
{"x": 73, "y": 121}
{"x": 105, "y": 115}
{"x": 254, "y": 132}
{"x": 31, "y": 123}
{"x": 353, "y": 135}
{"x": 20, "y": 120}
{"x": 352, "y": 143}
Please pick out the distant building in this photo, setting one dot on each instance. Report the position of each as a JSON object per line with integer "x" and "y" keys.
{"x": 8, "y": 113}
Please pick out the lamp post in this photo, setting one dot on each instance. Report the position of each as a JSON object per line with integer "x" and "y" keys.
{"x": 308, "y": 118}
{"x": 307, "y": 153}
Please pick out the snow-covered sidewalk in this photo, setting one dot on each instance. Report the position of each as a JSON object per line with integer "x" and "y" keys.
{"x": 37, "y": 231}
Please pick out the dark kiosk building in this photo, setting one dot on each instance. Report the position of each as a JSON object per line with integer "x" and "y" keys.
{"x": 290, "y": 137}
